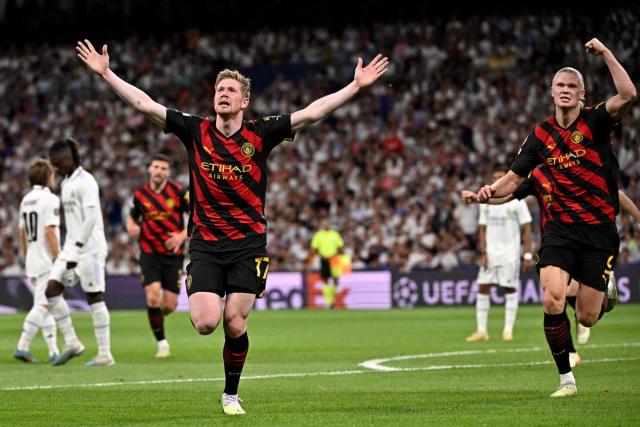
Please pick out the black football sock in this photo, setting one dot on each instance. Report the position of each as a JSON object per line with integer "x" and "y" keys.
{"x": 156, "y": 320}
{"x": 556, "y": 330}
{"x": 234, "y": 354}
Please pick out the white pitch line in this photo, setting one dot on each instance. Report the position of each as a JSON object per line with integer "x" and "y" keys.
{"x": 377, "y": 364}
{"x": 185, "y": 380}
{"x": 492, "y": 365}
{"x": 346, "y": 372}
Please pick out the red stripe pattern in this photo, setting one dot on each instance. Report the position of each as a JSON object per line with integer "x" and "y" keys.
{"x": 159, "y": 214}
{"x": 544, "y": 193}
{"x": 234, "y": 359}
{"x": 228, "y": 174}
{"x": 581, "y": 167}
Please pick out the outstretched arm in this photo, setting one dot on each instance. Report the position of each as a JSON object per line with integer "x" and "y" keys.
{"x": 469, "y": 198}
{"x": 504, "y": 186}
{"x": 627, "y": 206}
{"x": 618, "y": 104}
{"x": 319, "y": 108}
{"x": 99, "y": 64}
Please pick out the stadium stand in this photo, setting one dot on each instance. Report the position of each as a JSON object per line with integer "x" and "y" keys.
{"x": 460, "y": 97}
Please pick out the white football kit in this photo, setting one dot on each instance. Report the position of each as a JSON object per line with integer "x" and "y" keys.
{"x": 39, "y": 208}
{"x": 79, "y": 193}
{"x": 503, "y": 223}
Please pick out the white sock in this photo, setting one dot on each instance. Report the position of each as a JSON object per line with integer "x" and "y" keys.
{"x": 30, "y": 327}
{"x": 101, "y": 322}
{"x": 510, "y": 311}
{"x": 567, "y": 378}
{"x": 482, "y": 312}
{"x": 49, "y": 332}
{"x": 60, "y": 310}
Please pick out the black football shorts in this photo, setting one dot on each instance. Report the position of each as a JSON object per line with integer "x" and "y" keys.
{"x": 208, "y": 273}
{"x": 163, "y": 268}
{"x": 588, "y": 252}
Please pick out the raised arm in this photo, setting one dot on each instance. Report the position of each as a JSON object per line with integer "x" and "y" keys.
{"x": 319, "y": 108}
{"x": 99, "y": 64}
{"x": 504, "y": 186}
{"x": 618, "y": 104}
{"x": 627, "y": 206}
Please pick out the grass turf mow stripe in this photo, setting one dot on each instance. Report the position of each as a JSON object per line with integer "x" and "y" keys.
{"x": 372, "y": 366}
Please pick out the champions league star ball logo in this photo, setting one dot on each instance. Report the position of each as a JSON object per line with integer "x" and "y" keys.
{"x": 405, "y": 293}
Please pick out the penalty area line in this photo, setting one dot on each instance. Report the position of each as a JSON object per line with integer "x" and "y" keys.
{"x": 379, "y": 364}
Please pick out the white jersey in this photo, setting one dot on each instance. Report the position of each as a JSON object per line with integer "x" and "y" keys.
{"x": 79, "y": 192}
{"x": 39, "y": 209}
{"x": 502, "y": 235}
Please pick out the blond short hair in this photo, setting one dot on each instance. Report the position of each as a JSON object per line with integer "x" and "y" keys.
{"x": 245, "y": 82}
{"x": 576, "y": 73}
{"x": 570, "y": 70}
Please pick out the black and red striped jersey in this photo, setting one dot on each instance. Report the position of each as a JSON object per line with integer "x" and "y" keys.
{"x": 228, "y": 178}
{"x": 158, "y": 214}
{"x": 581, "y": 164}
{"x": 540, "y": 185}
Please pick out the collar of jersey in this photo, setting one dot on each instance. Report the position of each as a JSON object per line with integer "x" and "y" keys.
{"x": 75, "y": 172}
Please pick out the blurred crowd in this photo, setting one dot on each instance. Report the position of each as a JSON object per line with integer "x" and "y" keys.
{"x": 460, "y": 97}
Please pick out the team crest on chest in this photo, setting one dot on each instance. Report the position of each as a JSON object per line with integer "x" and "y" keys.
{"x": 171, "y": 203}
{"x": 248, "y": 149}
{"x": 576, "y": 137}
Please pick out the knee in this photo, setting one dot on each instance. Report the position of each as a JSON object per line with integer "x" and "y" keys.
{"x": 169, "y": 302}
{"x": 484, "y": 289}
{"x": 587, "y": 319}
{"x": 54, "y": 289}
{"x": 153, "y": 301}
{"x": 553, "y": 302}
{"x": 235, "y": 326}
{"x": 153, "y": 296}
{"x": 94, "y": 297}
{"x": 204, "y": 327}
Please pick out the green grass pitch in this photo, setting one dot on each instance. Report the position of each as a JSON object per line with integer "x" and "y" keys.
{"x": 304, "y": 368}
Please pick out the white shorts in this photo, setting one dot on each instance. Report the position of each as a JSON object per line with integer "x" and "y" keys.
{"x": 89, "y": 271}
{"x": 506, "y": 275}
{"x": 39, "y": 288}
